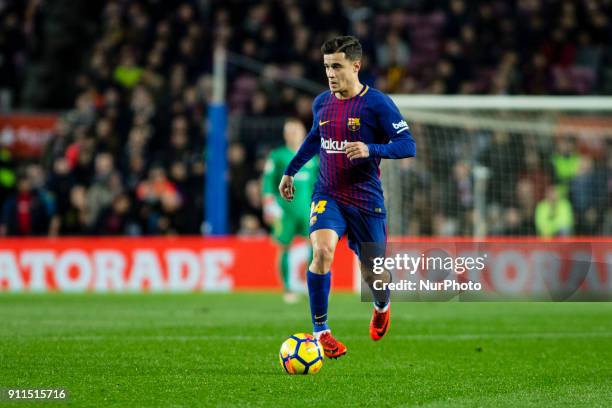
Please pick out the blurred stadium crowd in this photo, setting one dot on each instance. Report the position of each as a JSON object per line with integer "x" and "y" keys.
{"x": 127, "y": 156}
{"x": 557, "y": 188}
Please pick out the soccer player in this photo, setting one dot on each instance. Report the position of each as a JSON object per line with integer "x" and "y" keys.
{"x": 288, "y": 219}
{"x": 354, "y": 127}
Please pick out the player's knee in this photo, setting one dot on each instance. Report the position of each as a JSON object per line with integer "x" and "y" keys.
{"x": 322, "y": 257}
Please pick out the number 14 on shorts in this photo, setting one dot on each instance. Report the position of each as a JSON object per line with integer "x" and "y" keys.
{"x": 316, "y": 208}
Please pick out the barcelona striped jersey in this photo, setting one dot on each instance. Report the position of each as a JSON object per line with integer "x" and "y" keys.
{"x": 370, "y": 117}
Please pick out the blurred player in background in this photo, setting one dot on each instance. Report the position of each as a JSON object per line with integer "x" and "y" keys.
{"x": 354, "y": 127}
{"x": 288, "y": 219}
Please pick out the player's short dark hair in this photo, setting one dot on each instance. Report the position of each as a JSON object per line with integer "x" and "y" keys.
{"x": 349, "y": 45}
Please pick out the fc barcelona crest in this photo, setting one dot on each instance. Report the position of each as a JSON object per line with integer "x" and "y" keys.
{"x": 353, "y": 124}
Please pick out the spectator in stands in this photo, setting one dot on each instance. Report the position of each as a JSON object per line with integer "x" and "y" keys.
{"x": 461, "y": 197}
{"x": 554, "y": 216}
{"x": 117, "y": 218}
{"x": 393, "y": 53}
{"x": 536, "y": 75}
{"x": 416, "y": 205}
{"x": 36, "y": 175}
{"x": 179, "y": 148}
{"x": 57, "y": 144}
{"x": 12, "y": 50}
{"x": 106, "y": 137}
{"x": 456, "y": 19}
{"x": 59, "y": 183}
{"x": 515, "y": 223}
{"x": 75, "y": 218}
{"x": 253, "y": 204}
{"x": 566, "y": 162}
{"x": 526, "y": 200}
{"x": 168, "y": 216}
{"x": 156, "y": 186}
{"x": 106, "y": 184}
{"x": 536, "y": 174}
{"x": 127, "y": 73}
{"x": 239, "y": 173}
{"x": 503, "y": 158}
{"x": 7, "y": 173}
{"x": 587, "y": 198}
{"x": 159, "y": 203}
{"x": 27, "y": 211}
{"x": 80, "y": 156}
{"x": 250, "y": 226}
{"x": 190, "y": 191}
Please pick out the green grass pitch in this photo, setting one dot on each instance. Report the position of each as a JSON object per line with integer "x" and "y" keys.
{"x": 222, "y": 350}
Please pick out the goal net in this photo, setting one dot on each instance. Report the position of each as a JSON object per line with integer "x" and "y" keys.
{"x": 503, "y": 166}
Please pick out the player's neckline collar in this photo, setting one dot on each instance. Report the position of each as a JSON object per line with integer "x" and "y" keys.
{"x": 363, "y": 91}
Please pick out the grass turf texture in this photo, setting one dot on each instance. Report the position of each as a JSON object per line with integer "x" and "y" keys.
{"x": 222, "y": 350}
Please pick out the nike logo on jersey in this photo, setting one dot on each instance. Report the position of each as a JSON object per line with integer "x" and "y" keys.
{"x": 324, "y": 122}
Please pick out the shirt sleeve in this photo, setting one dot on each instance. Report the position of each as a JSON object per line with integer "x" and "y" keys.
{"x": 401, "y": 144}
{"x": 309, "y": 148}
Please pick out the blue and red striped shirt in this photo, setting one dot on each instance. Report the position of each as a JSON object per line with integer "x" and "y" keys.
{"x": 370, "y": 117}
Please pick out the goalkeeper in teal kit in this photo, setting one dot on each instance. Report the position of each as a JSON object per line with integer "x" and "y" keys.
{"x": 354, "y": 127}
{"x": 288, "y": 219}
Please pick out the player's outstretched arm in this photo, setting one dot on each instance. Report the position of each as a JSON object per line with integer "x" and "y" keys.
{"x": 307, "y": 150}
{"x": 287, "y": 188}
{"x": 309, "y": 147}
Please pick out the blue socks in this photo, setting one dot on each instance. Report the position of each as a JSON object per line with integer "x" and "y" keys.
{"x": 381, "y": 297}
{"x": 381, "y": 305}
{"x": 318, "y": 292}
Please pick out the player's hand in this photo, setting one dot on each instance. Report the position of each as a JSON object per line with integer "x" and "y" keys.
{"x": 286, "y": 188}
{"x": 357, "y": 150}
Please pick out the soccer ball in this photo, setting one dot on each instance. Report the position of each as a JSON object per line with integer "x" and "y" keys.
{"x": 301, "y": 354}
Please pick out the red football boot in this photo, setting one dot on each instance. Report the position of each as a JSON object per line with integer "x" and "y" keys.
{"x": 380, "y": 323}
{"x": 332, "y": 347}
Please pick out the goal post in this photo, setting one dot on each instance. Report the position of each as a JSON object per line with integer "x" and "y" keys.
{"x": 502, "y": 165}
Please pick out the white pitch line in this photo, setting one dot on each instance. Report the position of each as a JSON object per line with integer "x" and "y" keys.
{"x": 147, "y": 324}
{"x": 415, "y": 337}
